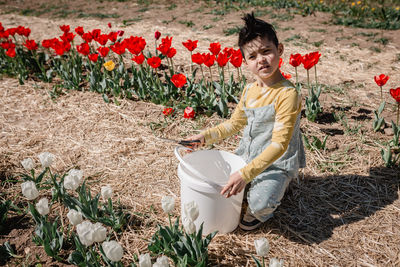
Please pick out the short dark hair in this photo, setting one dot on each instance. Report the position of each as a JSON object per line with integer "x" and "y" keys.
{"x": 254, "y": 28}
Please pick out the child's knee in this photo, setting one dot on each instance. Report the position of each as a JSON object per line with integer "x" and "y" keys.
{"x": 262, "y": 208}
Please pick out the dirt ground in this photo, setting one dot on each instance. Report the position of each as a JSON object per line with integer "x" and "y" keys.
{"x": 344, "y": 209}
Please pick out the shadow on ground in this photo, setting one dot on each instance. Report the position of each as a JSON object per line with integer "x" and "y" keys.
{"x": 314, "y": 207}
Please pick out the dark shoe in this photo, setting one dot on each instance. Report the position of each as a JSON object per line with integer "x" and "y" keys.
{"x": 249, "y": 222}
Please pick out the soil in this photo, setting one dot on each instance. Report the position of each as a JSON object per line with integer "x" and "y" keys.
{"x": 342, "y": 211}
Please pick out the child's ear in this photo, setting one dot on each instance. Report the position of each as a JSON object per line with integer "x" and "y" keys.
{"x": 280, "y": 49}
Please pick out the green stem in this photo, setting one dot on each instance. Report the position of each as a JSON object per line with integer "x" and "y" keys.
{"x": 381, "y": 93}
{"x": 316, "y": 80}
{"x": 297, "y": 77}
{"x": 308, "y": 79}
{"x": 398, "y": 110}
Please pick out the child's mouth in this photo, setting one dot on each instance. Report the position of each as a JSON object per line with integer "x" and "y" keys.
{"x": 263, "y": 67}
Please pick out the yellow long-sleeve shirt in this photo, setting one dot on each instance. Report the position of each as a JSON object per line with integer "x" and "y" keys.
{"x": 287, "y": 106}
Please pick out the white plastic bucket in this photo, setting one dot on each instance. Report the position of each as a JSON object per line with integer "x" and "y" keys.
{"x": 203, "y": 174}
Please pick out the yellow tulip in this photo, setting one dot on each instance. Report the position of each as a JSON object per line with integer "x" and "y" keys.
{"x": 397, "y": 8}
{"x": 358, "y": 2}
{"x": 109, "y": 65}
{"x": 353, "y": 4}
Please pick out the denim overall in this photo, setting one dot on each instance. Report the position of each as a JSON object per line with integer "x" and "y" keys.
{"x": 267, "y": 189}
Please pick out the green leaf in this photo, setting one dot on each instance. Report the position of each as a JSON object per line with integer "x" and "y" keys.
{"x": 258, "y": 263}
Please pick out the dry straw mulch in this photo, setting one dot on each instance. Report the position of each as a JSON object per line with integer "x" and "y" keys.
{"x": 346, "y": 219}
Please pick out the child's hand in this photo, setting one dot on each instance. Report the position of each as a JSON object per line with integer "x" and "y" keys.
{"x": 235, "y": 185}
{"x": 196, "y": 137}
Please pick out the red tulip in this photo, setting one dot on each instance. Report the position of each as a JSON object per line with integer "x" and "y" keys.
{"x": 222, "y": 59}
{"x": 188, "y": 113}
{"x": 178, "y": 80}
{"x": 67, "y": 37}
{"x": 190, "y": 45}
{"x": 21, "y": 30}
{"x": 139, "y": 59}
{"x": 31, "y": 45}
{"x": 168, "y": 111}
{"x": 280, "y": 62}
{"x": 109, "y": 25}
{"x": 208, "y": 59}
{"x": 65, "y": 28}
{"x": 236, "y": 58}
{"x": 1, "y": 27}
{"x": 112, "y": 36}
{"x": 154, "y": 62}
{"x": 103, "y": 51}
{"x": 95, "y": 33}
{"x": 197, "y": 58}
{"x": 93, "y": 57}
{"x": 395, "y": 93}
{"x": 48, "y": 43}
{"x": 135, "y": 44}
{"x": 215, "y": 48}
{"x": 79, "y": 30}
{"x": 118, "y": 48}
{"x": 157, "y": 35}
{"x": 295, "y": 60}
{"x": 381, "y": 79}
{"x": 310, "y": 60}
{"x": 229, "y": 51}
{"x": 11, "y": 52}
{"x": 83, "y": 48}
{"x": 171, "y": 52}
{"x": 11, "y": 31}
{"x": 102, "y": 39}
{"x": 120, "y": 33}
{"x": 87, "y": 37}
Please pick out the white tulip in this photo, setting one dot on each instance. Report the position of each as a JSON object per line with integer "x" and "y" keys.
{"x": 161, "y": 262}
{"x": 73, "y": 179}
{"x": 189, "y": 226}
{"x": 43, "y": 206}
{"x": 28, "y": 164}
{"x": 29, "y": 190}
{"x": 145, "y": 260}
{"x": 192, "y": 210}
{"x": 85, "y": 233}
{"x": 74, "y": 217}
{"x": 46, "y": 159}
{"x": 168, "y": 203}
{"x": 99, "y": 232}
{"x": 113, "y": 250}
{"x": 262, "y": 246}
{"x": 274, "y": 262}
{"x": 106, "y": 192}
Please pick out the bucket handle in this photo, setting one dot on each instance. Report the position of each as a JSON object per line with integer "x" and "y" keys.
{"x": 193, "y": 170}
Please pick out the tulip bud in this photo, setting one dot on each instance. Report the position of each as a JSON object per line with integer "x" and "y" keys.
{"x": 191, "y": 210}
{"x": 46, "y": 159}
{"x": 29, "y": 190}
{"x": 189, "y": 226}
{"x": 144, "y": 260}
{"x": 74, "y": 217}
{"x": 43, "y": 206}
{"x": 85, "y": 233}
{"x": 262, "y": 247}
{"x": 113, "y": 250}
{"x": 274, "y": 262}
{"x": 28, "y": 164}
{"x": 161, "y": 262}
{"x": 157, "y": 35}
{"x": 106, "y": 192}
{"x": 168, "y": 203}
{"x": 99, "y": 232}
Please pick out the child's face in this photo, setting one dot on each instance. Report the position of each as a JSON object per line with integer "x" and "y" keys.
{"x": 262, "y": 59}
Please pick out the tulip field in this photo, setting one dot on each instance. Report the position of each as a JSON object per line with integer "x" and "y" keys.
{"x": 93, "y": 92}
